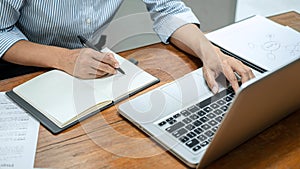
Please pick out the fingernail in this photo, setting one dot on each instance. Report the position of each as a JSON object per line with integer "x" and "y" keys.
{"x": 215, "y": 89}
{"x": 117, "y": 65}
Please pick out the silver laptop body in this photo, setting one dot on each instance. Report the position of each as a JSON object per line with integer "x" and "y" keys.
{"x": 258, "y": 104}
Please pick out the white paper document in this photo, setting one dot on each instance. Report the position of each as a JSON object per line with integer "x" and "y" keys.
{"x": 18, "y": 136}
{"x": 260, "y": 41}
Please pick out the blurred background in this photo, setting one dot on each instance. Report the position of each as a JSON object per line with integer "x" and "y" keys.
{"x": 132, "y": 26}
{"x": 247, "y": 8}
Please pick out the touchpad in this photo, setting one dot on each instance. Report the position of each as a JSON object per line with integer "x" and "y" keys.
{"x": 187, "y": 89}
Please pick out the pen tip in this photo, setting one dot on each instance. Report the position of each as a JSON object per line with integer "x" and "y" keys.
{"x": 120, "y": 70}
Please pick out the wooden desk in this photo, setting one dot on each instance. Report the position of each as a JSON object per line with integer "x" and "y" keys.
{"x": 106, "y": 140}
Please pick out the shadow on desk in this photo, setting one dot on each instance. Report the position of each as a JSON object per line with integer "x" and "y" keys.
{"x": 9, "y": 70}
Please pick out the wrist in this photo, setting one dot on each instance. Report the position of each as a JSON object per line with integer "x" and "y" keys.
{"x": 66, "y": 60}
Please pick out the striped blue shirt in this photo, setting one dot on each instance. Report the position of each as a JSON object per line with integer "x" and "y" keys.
{"x": 58, "y": 22}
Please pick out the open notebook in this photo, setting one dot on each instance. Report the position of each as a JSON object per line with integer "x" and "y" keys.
{"x": 58, "y": 100}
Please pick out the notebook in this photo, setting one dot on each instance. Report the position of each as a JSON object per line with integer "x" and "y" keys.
{"x": 259, "y": 42}
{"x": 59, "y": 100}
{"x": 198, "y": 127}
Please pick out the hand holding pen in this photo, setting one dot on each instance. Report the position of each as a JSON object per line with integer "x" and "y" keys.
{"x": 108, "y": 60}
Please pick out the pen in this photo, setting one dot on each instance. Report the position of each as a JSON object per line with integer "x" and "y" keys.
{"x": 90, "y": 45}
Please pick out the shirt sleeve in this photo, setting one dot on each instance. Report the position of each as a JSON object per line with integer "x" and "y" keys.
{"x": 9, "y": 33}
{"x": 168, "y": 16}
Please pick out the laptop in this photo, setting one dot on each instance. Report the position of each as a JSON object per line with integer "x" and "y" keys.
{"x": 199, "y": 127}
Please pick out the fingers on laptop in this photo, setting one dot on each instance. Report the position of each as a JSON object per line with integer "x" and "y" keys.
{"x": 232, "y": 65}
{"x": 210, "y": 78}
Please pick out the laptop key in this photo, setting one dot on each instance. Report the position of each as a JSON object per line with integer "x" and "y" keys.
{"x": 193, "y": 109}
{"x": 197, "y": 123}
{"x": 185, "y": 113}
{"x": 220, "y": 95}
{"x": 207, "y": 109}
{"x": 169, "y": 119}
{"x": 196, "y": 148}
{"x": 198, "y": 130}
{"x": 221, "y": 102}
{"x": 204, "y": 103}
{"x": 201, "y": 113}
{"x": 204, "y": 119}
{"x": 187, "y": 120}
{"x": 209, "y": 133}
{"x": 204, "y": 143}
{"x": 162, "y": 123}
{"x": 184, "y": 139}
{"x": 191, "y": 135}
{"x": 224, "y": 108}
{"x": 215, "y": 129}
{"x": 172, "y": 122}
{"x": 205, "y": 126}
{"x": 219, "y": 118}
{"x": 175, "y": 127}
{"x": 212, "y": 122}
{"x": 228, "y": 98}
{"x": 192, "y": 143}
{"x": 201, "y": 137}
{"x": 214, "y": 106}
{"x": 179, "y": 132}
{"x": 194, "y": 117}
{"x": 190, "y": 127}
{"x": 218, "y": 112}
{"x": 211, "y": 115}
{"x": 176, "y": 115}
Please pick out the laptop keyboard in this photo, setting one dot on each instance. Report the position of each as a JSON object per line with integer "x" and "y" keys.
{"x": 195, "y": 126}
